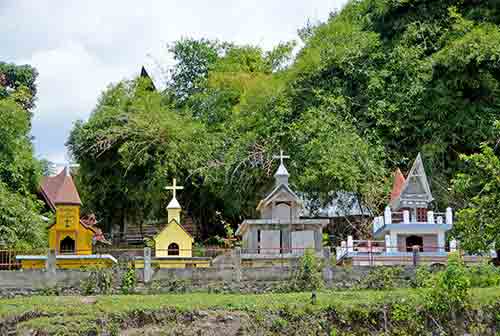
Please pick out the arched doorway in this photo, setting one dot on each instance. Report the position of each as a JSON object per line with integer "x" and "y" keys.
{"x": 414, "y": 241}
{"x": 173, "y": 249}
{"x": 67, "y": 245}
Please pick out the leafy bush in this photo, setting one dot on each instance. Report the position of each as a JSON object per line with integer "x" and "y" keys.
{"x": 309, "y": 273}
{"x": 424, "y": 277}
{"x": 451, "y": 289}
{"x": 99, "y": 281}
{"x": 484, "y": 275}
{"x": 129, "y": 280}
{"x": 382, "y": 278}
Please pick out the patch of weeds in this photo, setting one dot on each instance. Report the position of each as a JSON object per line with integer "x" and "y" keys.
{"x": 99, "y": 281}
{"x": 385, "y": 277}
{"x": 129, "y": 280}
{"x": 279, "y": 324}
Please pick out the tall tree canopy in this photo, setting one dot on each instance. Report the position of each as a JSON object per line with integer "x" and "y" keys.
{"x": 21, "y": 223}
{"x": 375, "y": 84}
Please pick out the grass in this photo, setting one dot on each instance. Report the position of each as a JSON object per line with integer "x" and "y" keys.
{"x": 70, "y": 313}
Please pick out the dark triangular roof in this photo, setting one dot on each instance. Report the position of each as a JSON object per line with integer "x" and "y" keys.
{"x": 145, "y": 74}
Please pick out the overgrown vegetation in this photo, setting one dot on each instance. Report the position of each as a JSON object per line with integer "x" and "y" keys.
{"x": 382, "y": 278}
{"x": 395, "y": 312}
{"x": 99, "y": 281}
{"x": 308, "y": 275}
{"x": 376, "y": 83}
{"x": 128, "y": 280}
{"x": 21, "y": 222}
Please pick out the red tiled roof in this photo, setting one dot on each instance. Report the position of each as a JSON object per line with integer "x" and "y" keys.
{"x": 90, "y": 222}
{"x": 60, "y": 189}
{"x": 397, "y": 185}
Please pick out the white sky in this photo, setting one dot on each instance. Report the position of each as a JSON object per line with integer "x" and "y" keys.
{"x": 79, "y": 47}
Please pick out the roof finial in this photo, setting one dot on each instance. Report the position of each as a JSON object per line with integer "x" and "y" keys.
{"x": 174, "y": 187}
{"x": 174, "y": 204}
{"x": 281, "y": 156}
{"x": 281, "y": 174}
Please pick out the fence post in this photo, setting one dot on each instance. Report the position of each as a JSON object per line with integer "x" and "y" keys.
{"x": 415, "y": 250}
{"x": 237, "y": 264}
{"x": 327, "y": 269}
{"x": 350, "y": 244}
{"x": 148, "y": 271}
{"x": 50, "y": 263}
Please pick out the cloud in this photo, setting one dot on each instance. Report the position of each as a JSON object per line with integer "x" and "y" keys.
{"x": 79, "y": 47}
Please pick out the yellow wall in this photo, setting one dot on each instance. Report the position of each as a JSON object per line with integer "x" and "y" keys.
{"x": 173, "y": 233}
{"x": 68, "y": 224}
{"x": 165, "y": 263}
{"x": 68, "y": 263}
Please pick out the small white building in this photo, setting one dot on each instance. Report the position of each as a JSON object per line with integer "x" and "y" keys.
{"x": 280, "y": 230}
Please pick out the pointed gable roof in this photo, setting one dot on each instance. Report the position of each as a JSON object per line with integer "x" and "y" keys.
{"x": 174, "y": 222}
{"x": 397, "y": 184}
{"x": 282, "y": 187}
{"x": 145, "y": 74}
{"x": 415, "y": 190}
{"x": 59, "y": 189}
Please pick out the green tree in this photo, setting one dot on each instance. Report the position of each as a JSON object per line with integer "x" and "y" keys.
{"x": 477, "y": 188}
{"x": 132, "y": 144}
{"x": 21, "y": 222}
{"x": 415, "y": 76}
{"x": 193, "y": 58}
{"x": 18, "y": 81}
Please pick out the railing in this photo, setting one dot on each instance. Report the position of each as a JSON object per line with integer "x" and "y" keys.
{"x": 403, "y": 217}
{"x": 209, "y": 257}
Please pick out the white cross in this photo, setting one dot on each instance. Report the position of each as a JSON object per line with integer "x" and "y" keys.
{"x": 174, "y": 187}
{"x": 281, "y": 156}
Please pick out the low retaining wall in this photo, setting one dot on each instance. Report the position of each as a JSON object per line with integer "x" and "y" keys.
{"x": 248, "y": 280}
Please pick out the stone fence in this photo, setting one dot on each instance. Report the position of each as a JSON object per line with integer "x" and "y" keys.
{"x": 229, "y": 275}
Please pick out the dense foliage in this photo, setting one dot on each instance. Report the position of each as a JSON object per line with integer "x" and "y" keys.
{"x": 21, "y": 223}
{"x": 478, "y": 186}
{"x": 378, "y": 82}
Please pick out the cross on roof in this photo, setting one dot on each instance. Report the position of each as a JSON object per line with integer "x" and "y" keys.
{"x": 174, "y": 187}
{"x": 281, "y": 156}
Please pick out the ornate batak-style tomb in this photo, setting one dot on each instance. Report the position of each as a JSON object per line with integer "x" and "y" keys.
{"x": 409, "y": 228}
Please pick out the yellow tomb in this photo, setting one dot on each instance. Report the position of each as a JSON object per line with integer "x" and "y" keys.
{"x": 173, "y": 244}
{"x": 70, "y": 236}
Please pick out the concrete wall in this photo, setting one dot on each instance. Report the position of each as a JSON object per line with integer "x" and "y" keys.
{"x": 38, "y": 279}
{"x": 335, "y": 277}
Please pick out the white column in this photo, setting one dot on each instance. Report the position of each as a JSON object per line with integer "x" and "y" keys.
{"x": 387, "y": 215}
{"x": 449, "y": 216}
{"x": 430, "y": 217}
{"x": 453, "y": 245}
{"x": 441, "y": 241}
{"x": 350, "y": 244}
{"x": 388, "y": 244}
{"x": 406, "y": 217}
{"x": 394, "y": 241}
{"x": 440, "y": 220}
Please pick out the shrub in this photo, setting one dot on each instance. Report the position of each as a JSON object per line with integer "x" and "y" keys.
{"x": 424, "y": 277}
{"x": 451, "y": 290}
{"x": 129, "y": 280}
{"x": 382, "y": 278}
{"x": 484, "y": 275}
{"x": 99, "y": 281}
{"x": 309, "y": 273}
